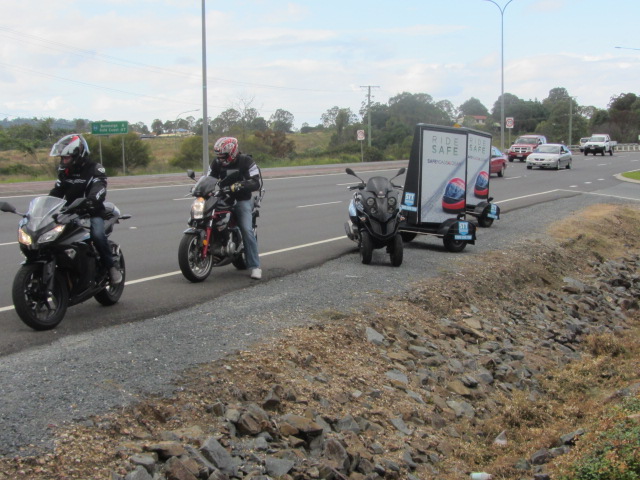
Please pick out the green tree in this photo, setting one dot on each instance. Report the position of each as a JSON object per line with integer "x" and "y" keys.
{"x": 452, "y": 112}
{"x": 281, "y": 121}
{"x": 157, "y": 126}
{"x": 276, "y": 142}
{"x": 228, "y": 123}
{"x": 473, "y": 107}
{"x": 527, "y": 114}
{"x": 137, "y": 153}
{"x": 190, "y": 153}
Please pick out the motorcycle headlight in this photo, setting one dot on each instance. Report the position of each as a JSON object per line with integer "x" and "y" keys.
{"x": 392, "y": 201}
{"x": 197, "y": 208}
{"x": 51, "y": 235}
{"x": 371, "y": 201}
{"x": 23, "y": 238}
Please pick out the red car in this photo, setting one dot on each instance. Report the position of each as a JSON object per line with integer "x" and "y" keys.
{"x": 498, "y": 162}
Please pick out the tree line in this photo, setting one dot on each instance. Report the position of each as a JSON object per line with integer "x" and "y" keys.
{"x": 392, "y": 126}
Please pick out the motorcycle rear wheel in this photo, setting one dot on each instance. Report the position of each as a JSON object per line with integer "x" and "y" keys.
{"x": 112, "y": 293}
{"x": 193, "y": 266}
{"x": 36, "y": 309}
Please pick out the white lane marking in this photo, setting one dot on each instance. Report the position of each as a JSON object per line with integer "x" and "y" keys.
{"x": 318, "y": 204}
{"x": 526, "y": 196}
{"x": 182, "y": 185}
{"x": 170, "y": 274}
{"x": 9, "y": 243}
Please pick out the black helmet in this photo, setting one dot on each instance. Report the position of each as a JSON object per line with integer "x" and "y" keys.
{"x": 72, "y": 150}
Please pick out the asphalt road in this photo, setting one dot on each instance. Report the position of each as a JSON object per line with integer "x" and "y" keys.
{"x": 301, "y": 226}
{"x": 100, "y": 358}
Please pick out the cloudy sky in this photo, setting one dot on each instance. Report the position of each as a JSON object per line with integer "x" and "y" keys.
{"x": 140, "y": 60}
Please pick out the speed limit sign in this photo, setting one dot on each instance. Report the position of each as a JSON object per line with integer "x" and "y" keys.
{"x": 508, "y": 122}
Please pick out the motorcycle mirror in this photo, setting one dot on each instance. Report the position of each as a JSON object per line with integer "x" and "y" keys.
{"x": 400, "y": 172}
{"x": 7, "y": 207}
{"x": 351, "y": 172}
{"x": 191, "y": 174}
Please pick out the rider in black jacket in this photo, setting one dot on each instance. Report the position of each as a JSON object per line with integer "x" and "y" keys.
{"x": 228, "y": 157}
{"x": 79, "y": 177}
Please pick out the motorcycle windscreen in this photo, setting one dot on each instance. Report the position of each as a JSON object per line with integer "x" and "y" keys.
{"x": 41, "y": 210}
{"x": 204, "y": 185}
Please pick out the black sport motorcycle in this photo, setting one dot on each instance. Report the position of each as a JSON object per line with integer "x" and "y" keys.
{"x": 62, "y": 266}
{"x": 374, "y": 217}
{"x": 213, "y": 238}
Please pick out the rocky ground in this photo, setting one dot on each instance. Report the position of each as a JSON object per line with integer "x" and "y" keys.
{"x": 501, "y": 367}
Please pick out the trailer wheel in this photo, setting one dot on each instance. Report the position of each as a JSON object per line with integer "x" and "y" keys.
{"x": 485, "y": 222}
{"x": 453, "y": 245}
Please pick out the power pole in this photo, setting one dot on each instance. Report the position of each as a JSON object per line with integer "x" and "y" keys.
{"x": 369, "y": 87}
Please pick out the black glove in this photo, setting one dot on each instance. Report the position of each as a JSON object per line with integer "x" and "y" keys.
{"x": 90, "y": 206}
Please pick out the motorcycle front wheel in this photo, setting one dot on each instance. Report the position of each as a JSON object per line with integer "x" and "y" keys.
{"x": 37, "y": 308}
{"x": 112, "y": 293}
{"x": 193, "y": 266}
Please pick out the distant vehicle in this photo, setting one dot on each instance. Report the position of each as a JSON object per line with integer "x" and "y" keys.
{"x": 599, "y": 143}
{"x": 524, "y": 145}
{"x": 583, "y": 140}
{"x": 550, "y": 155}
{"x": 498, "y": 162}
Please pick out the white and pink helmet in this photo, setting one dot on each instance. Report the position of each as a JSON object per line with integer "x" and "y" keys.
{"x": 226, "y": 150}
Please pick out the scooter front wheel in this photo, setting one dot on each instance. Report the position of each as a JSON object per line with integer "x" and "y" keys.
{"x": 193, "y": 266}
{"x": 396, "y": 250}
{"x": 37, "y": 308}
{"x": 366, "y": 247}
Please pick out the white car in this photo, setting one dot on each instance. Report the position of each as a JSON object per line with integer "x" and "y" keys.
{"x": 550, "y": 155}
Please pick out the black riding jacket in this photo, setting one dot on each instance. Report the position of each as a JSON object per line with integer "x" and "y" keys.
{"x": 248, "y": 170}
{"x": 88, "y": 180}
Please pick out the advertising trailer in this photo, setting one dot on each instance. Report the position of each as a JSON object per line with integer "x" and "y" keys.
{"x": 478, "y": 200}
{"x": 434, "y": 201}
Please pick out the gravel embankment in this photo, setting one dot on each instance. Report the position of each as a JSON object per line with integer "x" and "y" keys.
{"x": 89, "y": 373}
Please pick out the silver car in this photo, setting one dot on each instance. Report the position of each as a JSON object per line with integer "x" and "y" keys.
{"x": 550, "y": 155}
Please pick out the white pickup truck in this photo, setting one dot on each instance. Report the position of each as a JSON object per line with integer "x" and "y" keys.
{"x": 599, "y": 143}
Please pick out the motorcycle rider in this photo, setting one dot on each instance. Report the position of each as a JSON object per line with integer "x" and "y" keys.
{"x": 228, "y": 156}
{"x": 80, "y": 177}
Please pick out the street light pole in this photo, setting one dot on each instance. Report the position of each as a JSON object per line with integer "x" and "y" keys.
{"x": 175, "y": 125}
{"x": 502, "y": 9}
{"x": 205, "y": 118}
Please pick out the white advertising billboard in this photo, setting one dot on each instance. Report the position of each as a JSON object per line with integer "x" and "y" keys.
{"x": 443, "y": 174}
{"x": 478, "y": 167}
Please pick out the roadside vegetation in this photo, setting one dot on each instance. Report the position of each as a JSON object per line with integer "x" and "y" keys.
{"x": 635, "y": 175}
{"x": 175, "y": 145}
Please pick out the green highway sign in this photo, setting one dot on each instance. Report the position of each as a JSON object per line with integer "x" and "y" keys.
{"x": 109, "y": 128}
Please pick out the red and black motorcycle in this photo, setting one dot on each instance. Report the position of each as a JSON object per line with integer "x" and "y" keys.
{"x": 213, "y": 238}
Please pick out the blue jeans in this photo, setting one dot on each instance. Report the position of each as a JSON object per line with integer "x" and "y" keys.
{"x": 99, "y": 238}
{"x": 242, "y": 210}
